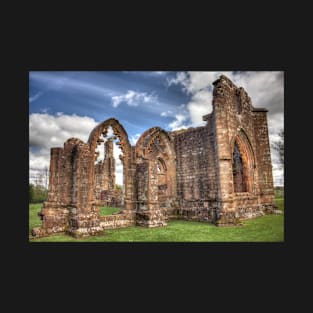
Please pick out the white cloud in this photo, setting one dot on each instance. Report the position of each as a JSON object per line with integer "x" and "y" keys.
{"x": 166, "y": 113}
{"x": 46, "y": 131}
{"x": 181, "y": 78}
{"x": 133, "y": 98}
{"x": 39, "y": 161}
{"x": 178, "y": 123}
{"x": 199, "y": 105}
{"x": 134, "y": 139}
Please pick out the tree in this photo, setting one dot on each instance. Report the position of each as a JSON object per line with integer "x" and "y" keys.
{"x": 279, "y": 146}
{"x": 46, "y": 176}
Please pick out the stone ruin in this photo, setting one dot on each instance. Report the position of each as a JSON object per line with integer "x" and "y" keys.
{"x": 219, "y": 173}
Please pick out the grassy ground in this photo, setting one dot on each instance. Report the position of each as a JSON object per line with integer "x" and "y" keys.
{"x": 280, "y": 203}
{"x": 269, "y": 228}
{"x": 34, "y": 220}
{"x": 108, "y": 210}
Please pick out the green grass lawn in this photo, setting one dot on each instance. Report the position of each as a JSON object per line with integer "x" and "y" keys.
{"x": 34, "y": 220}
{"x": 280, "y": 203}
{"x": 108, "y": 210}
{"x": 269, "y": 228}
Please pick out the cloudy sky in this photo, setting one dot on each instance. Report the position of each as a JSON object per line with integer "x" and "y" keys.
{"x": 71, "y": 104}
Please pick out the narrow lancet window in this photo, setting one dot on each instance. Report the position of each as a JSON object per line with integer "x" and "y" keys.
{"x": 238, "y": 103}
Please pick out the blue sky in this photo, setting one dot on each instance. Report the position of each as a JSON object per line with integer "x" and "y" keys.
{"x": 69, "y": 104}
{"x": 93, "y": 93}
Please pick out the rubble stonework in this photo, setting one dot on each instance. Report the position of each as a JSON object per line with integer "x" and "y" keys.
{"x": 219, "y": 173}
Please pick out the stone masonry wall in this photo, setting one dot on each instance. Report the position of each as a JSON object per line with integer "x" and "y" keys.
{"x": 236, "y": 120}
{"x": 196, "y": 175}
{"x": 263, "y": 154}
{"x": 117, "y": 221}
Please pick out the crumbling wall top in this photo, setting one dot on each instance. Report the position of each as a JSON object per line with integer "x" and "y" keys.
{"x": 223, "y": 86}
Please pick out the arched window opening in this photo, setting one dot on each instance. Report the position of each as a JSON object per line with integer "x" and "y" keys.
{"x": 239, "y": 178}
{"x": 109, "y": 186}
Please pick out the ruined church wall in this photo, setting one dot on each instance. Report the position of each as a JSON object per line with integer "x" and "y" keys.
{"x": 235, "y": 117}
{"x": 230, "y": 123}
{"x": 54, "y": 176}
{"x": 196, "y": 174}
{"x": 81, "y": 191}
{"x": 240, "y": 124}
{"x": 55, "y": 212}
{"x": 253, "y": 122}
{"x": 263, "y": 155}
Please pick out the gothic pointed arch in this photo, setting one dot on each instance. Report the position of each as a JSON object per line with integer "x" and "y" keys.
{"x": 155, "y": 148}
{"x": 243, "y": 163}
{"x": 123, "y": 142}
{"x": 102, "y": 128}
{"x": 155, "y": 140}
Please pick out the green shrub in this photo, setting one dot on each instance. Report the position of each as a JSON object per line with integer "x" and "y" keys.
{"x": 37, "y": 194}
